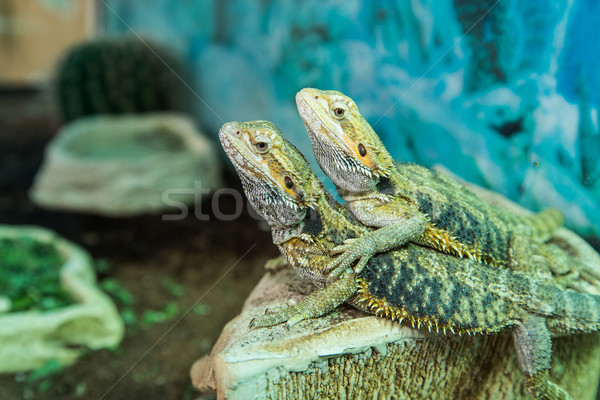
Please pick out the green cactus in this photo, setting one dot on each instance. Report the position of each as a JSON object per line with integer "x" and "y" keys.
{"x": 122, "y": 75}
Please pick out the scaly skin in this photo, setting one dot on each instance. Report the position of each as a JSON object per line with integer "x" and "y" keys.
{"x": 413, "y": 283}
{"x": 409, "y": 202}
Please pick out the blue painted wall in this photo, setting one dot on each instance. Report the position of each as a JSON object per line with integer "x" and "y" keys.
{"x": 490, "y": 89}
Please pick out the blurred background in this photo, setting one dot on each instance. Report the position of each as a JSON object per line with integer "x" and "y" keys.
{"x": 109, "y": 113}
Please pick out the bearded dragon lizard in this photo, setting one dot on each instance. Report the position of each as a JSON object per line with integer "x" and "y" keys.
{"x": 408, "y": 202}
{"x": 413, "y": 283}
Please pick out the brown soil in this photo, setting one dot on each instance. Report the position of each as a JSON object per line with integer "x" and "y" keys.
{"x": 216, "y": 264}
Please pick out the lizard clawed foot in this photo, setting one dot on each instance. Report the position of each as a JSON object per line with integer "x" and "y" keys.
{"x": 361, "y": 249}
{"x": 342, "y": 248}
{"x": 294, "y": 319}
{"x": 271, "y": 318}
{"x": 276, "y": 315}
{"x": 314, "y": 305}
{"x": 279, "y": 308}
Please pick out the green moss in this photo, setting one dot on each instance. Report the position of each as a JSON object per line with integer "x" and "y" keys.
{"x": 30, "y": 275}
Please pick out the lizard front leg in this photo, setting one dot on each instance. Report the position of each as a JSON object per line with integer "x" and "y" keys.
{"x": 399, "y": 229}
{"x": 314, "y": 305}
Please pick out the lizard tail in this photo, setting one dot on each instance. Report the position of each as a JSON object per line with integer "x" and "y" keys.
{"x": 574, "y": 312}
{"x": 545, "y": 223}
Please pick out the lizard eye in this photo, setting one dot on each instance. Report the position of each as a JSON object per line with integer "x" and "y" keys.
{"x": 339, "y": 112}
{"x": 288, "y": 182}
{"x": 262, "y": 147}
{"x": 361, "y": 150}
{"x": 339, "y": 109}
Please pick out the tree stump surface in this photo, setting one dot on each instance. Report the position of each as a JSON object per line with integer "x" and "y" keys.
{"x": 351, "y": 355}
{"x": 348, "y": 354}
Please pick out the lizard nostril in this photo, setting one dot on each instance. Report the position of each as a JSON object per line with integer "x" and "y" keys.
{"x": 237, "y": 133}
{"x": 316, "y": 97}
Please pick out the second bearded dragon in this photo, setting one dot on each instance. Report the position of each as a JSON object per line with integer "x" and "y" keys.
{"x": 413, "y": 283}
{"x": 408, "y": 202}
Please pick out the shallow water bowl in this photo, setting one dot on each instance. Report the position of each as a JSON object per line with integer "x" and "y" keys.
{"x": 28, "y": 339}
{"x": 126, "y": 165}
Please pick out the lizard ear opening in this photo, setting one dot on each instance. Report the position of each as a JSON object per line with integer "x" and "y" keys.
{"x": 288, "y": 182}
{"x": 362, "y": 150}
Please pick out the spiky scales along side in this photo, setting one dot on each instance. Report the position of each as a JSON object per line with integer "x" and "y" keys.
{"x": 119, "y": 75}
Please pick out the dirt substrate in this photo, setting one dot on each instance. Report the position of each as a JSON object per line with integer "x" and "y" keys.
{"x": 194, "y": 274}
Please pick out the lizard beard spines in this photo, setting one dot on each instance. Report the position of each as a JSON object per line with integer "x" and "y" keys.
{"x": 343, "y": 169}
{"x": 441, "y": 240}
{"x": 269, "y": 202}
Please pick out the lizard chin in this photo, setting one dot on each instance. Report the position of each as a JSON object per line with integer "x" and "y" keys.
{"x": 277, "y": 208}
{"x": 270, "y": 203}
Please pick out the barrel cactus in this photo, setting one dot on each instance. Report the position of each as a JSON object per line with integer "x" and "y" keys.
{"x": 122, "y": 75}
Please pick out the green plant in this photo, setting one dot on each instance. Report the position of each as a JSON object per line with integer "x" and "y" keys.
{"x": 30, "y": 275}
{"x": 122, "y": 75}
{"x": 122, "y": 297}
{"x": 44, "y": 377}
{"x": 174, "y": 288}
{"x": 151, "y": 317}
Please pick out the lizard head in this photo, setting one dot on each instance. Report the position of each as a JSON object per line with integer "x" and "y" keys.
{"x": 345, "y": 145}
{"x": 276, "y": 177}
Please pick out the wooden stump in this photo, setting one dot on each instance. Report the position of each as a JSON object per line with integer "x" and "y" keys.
{"x": 351, "y": 355}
